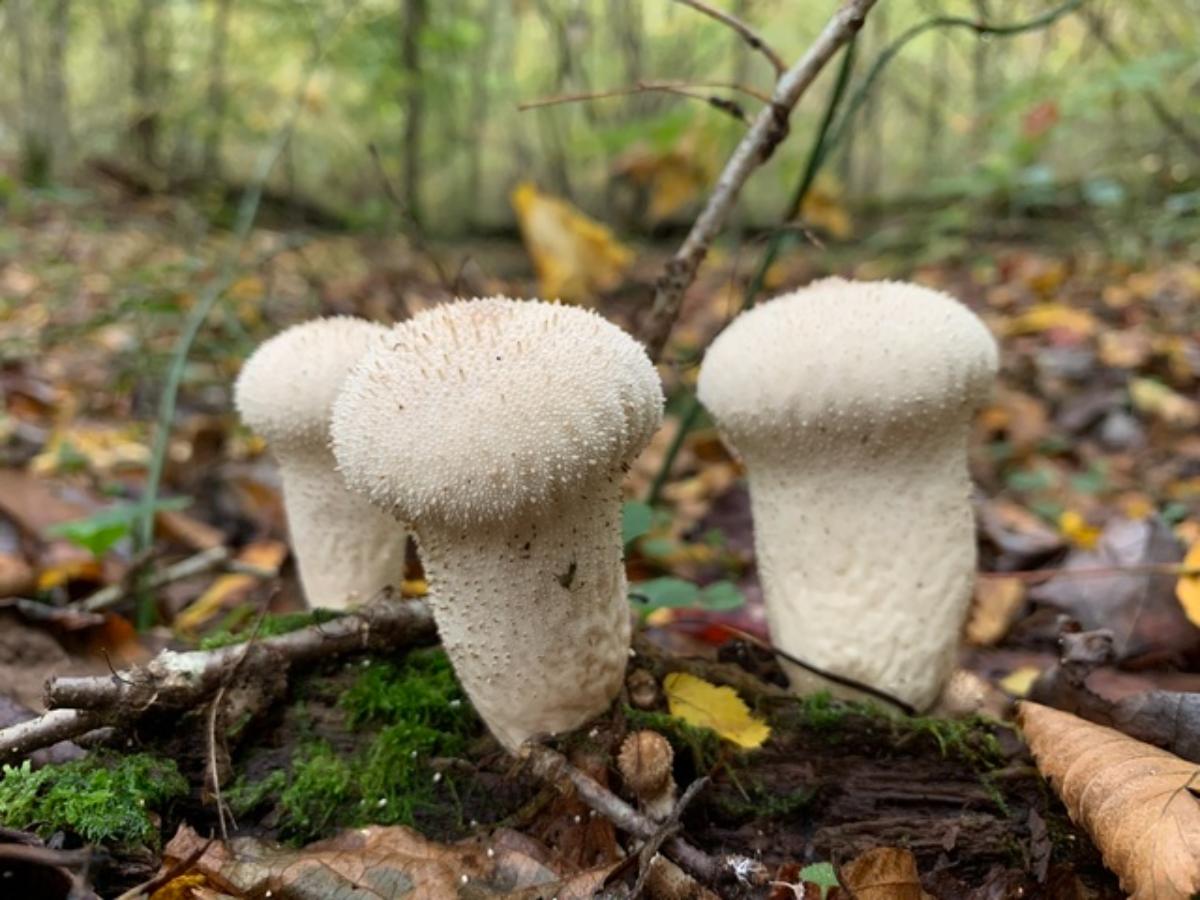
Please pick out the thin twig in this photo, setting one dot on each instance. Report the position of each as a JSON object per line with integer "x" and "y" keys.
{"x": 553, "y": 767}
{"x": 769, "y": 129}
{"x": 748, "y": 34}
{"x": 164, "y": 878}
{"x": 667, "y": 828}
{"x": 844, "y": 680}
{"x": 686, "y": 88}
{"x": 211, "y": 560}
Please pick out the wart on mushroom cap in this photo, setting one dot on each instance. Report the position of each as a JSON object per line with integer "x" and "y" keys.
{"x": 346, "y": 550}
{"x": 514, "y": 420}
{"x": 850, "y": 403}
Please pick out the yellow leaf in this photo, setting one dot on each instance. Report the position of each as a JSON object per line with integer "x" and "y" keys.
{"x": 414, "y": 587}
{"x": 100, "y": 447}
{"x": 720, "y": 708}
{"x": 575, "y": 257}
{"x": 1187, "y": 589}
{"x": 1018, "y": 682}
{"x": 1052, "y": 317}
{"x": 227, "y": 589}
{"x": 1078, "y": 530}
{"x": 1156, "y": 399}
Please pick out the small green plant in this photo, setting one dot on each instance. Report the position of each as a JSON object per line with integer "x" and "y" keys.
{"x": 103, "y": 800}
{"x": 100, "y": 532}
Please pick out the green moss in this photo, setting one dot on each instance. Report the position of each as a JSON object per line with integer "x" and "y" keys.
{"x": 103, "y": 800}
{"x": 703, "y": 744}
{"x": 236, "y": 629}
{"x": 971, "y": 739}
{"x": 415, "y": 711}
{"x": 759, "y": 801}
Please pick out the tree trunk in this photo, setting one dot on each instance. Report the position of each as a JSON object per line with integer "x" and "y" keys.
{"x": 477, "y": 125}
{"x": 57, "y": 117}
{"x": 415, "y": 14}
{"x": 211, "y": 167}
{"x": 145, "y": 124}
{"x": 34, "y": 153}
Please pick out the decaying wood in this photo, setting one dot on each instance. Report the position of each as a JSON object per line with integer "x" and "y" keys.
{"x": 185, "y": 680}
{"x": 769, "y": 129}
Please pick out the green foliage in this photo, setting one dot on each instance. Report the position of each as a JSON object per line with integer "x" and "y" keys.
{"x": 272, "y": 625}
{"x": 759, "y": 801}
{"x": 100, "y": 532}
{"x": 823, "y": 875}
{"x": 636, "y": 520}
{"x": 671, "y": 592}
{"x": 419, "y": 712}
{"x": 103, "y": 800}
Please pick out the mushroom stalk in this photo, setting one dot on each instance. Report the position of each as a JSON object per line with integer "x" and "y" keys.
{"x": 345, "y": 549}
{"x": 533, "y": 612}
{"x": 857, "y": 586}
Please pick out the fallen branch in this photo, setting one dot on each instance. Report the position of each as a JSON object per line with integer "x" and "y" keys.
{"x": 551, "y": 766}
{"x": 180, "y": 681}
{"x": 769, "y": 129}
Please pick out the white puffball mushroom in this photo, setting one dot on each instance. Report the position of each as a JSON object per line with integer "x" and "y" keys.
{"x": 850, "y": 404}
{"x": 499, "y": 430}
{"x": 346, "y": 550}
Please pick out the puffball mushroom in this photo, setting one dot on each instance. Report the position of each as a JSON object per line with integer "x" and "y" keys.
{"x": 499, "y": 430}
{"x": 849, "y": 403}
{"x": 346, "y": 549}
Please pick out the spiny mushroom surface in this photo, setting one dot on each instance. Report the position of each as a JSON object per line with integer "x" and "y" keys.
{"x": 849, "y": 403}
{"x": 499, "y": 430}
{"x": 346, "y": 550}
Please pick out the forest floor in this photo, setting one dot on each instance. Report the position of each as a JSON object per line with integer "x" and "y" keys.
{"x": 1087, "y": 463}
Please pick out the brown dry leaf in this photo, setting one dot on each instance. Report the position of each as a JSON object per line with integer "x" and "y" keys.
{"x": 575, "y": 257}
{"x": 34, "y": 505}
{"x": 16, "y": 575}
{"x": 1136, "y": 801}
{"x": 824, "y": 208}
{"x": 885, "y": 873}
{"x": 998, "y": 602}
{"x": 376, "y": 862}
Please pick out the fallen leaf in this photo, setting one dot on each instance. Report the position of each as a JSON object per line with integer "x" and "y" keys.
{"x": 230, "y": 588}
{"x": 1136, "y": 801}
{"x": 1187, "y": 588}
{"x": 1156, "y": 399}
{"x": 720, "y": 708}
{"x": 1139, "y": 606}
{"x": 885, "y": 873}
{"x": 824, "y": 208}
{"x": 575, "y": 257}
{"x": 998, "y": 602}
{"x": 1078, "y": 530}
{"x": 1052, "y": 317}
{"x": 1018, "y": 682}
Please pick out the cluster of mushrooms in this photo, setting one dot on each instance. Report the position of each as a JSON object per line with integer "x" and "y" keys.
{"x": 496, "y": 432}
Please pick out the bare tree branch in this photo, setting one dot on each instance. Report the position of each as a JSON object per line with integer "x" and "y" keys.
{"x": 184, "y": 680}
{"x": 769, "y": 129}
{"x": 748, "y": 34}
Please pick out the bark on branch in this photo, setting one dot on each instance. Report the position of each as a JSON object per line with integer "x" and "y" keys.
{"x": 185, "y": 680}
{"x": 769, "y": 129}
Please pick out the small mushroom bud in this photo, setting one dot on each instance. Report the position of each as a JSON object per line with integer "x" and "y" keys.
{"x": 850, "y": 403}
{"x": 346, "y": 550}
{"x": 645, "y": 764}
{"x": 500, "y": 430}
{"x": 643, "y": 689}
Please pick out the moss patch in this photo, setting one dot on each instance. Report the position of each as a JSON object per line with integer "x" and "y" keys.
{"x": 239, "y": 626}
{"x": 103, "y": 800}
{"x": 971, "y": 739}
{"x": 703, "y": 744}
{"x": 414, "y": 710}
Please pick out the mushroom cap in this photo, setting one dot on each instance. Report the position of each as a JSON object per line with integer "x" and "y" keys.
{"x": 286, "y": 388}
{"x": 848, "y": 356}
{"x": 496, "y": 407}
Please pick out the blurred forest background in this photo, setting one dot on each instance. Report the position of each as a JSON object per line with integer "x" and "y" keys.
{"x": 407, "y": 109}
